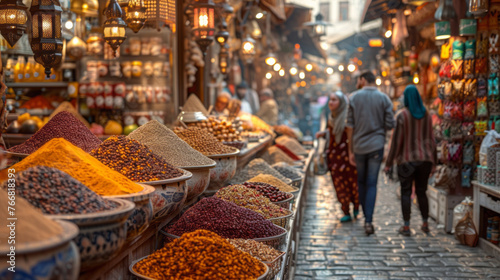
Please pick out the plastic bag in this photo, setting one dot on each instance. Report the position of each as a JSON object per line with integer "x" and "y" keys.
{"x": 489, "y": 140}
{"x": 460, "y": 210}
{"x": 465, "y": 231}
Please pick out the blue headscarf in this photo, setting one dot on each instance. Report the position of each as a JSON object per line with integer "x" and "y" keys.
{"x": 413, "y": 102}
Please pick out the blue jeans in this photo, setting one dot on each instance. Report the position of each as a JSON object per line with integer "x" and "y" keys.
{"x": 368, "y": 166}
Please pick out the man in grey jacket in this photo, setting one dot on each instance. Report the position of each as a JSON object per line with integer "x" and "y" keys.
{"x": 370, "y": 117}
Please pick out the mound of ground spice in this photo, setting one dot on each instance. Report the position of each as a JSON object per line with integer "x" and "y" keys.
{"x": 273, "y": 181}
{"x": 134, "y": 160}
{"x": 291, "y": 144}
{"x": 203, "y": 141}
{"x": 256, "y": 167}
{"x": 55, "y": 192}
{"x": 165, "y": 143}
{"x": 61, "y": 154}
{"x": 31, "y": 225}
{"x": 66, "y": 106}
{"x": 224, "y": 218}
{"x": 274, "y": 155}
{"x": 63, "y": 125}
{"x": 194, "y": 104}
{"x": 200, "y": 255}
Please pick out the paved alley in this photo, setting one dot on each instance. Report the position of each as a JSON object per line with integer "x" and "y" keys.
{"x": 331, "y": 250}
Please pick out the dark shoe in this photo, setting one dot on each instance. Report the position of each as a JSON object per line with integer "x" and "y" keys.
{"x": 369, "y": 229}
{"x": 425, "y": 228}
{"x": 404, "y": 230}
{"x": 355, "y": 214}
{"x": 345, "y": 219}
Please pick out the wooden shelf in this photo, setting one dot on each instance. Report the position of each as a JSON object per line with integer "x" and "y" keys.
{"x": 489, "y": 248}
{"x": 38, "y": 85}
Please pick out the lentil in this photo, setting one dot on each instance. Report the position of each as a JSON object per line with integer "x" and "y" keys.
{"x": 165, "y": 143}
{"x": 61, "y": 154}
{"x": 63, "y": 125}
{"x": 271, "y": 192}
{"x": 251, "y": 199}
{"x": 273, "y": 181}
{"x": 258, "y": 250}
{"x": 66, "y": 106}
{"x": 200, "y": 255}
{"x": 31, "y": 225}
{"x": 224, "y": 218}
{"x": 202, "y": 141}
{"x": 274, "y": 155}
{"x": 288, "y": 171}
{"x": 55, "y": 192}
{"x": 291, "y": 144}
{"x": 254, "y": 168}
{"x": 134, "y": 160}
{"x": 193, "y": 104}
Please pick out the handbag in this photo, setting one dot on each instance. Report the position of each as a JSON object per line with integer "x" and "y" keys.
{"x": 320, "y": 158}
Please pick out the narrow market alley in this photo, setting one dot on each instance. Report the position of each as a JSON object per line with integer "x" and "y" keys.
{"x": 331, "y": 250}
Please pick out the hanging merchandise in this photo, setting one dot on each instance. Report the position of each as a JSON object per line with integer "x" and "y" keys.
{"x": 478, "y": 8}
{"x": 46, "y": 41}
{"x": 159, "y": 13}
{"x": 114, "y": 26}
{"x": 445, "y": 10}
{"x": 13, "y": 20}
{"x": 135, "y": 16}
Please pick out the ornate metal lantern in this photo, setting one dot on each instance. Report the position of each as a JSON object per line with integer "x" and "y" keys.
{"x": 114, "y": 26}
{"x": 204, "y": 23}
{"x": 160, "y": 12}
{"x": 319, "y": 26}
{"x": 135, "y": 15}
{"x": 13, "y": 18}
{"x": 224, "y": 59}
{"x": 247, "y": 51}
{"x": 46, "y": 29}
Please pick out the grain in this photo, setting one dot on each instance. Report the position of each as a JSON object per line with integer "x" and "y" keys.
{"x": 66, "y": 106}
{"x": 253, "y": 200}
{"x": 55, "y": 192}
{"x": 258, "y": 250}
{"x": 30, "y": 226}
{"x": 59, "y": 153}
{"x": 193, "y": 104}
{"x": 275, "y": 155}
{"x": 269, "y": 191}
{"x": 291, "y": 144}
{"x": 202, "y": 141}
{"x": 273, "y": 181}
{"x": 63, "y": 125}
{"x": 165, "y": 143}
{"x": 134, "y": 160}
{"x": 200, "y": 255}
{"x": 290, "y": 172}
{"x": 254, "y": 168}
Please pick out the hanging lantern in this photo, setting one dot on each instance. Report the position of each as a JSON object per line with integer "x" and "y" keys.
{"x": 224, "y": 59}
{"x": 319, "y": 26}
{"x": 271, "y": 59}
{"x": 114, "y": 26}
{"x": 228, "y": 11}
{"x": 87, "y": 8}
{"x": 159, "y": 13}
{"x": 204, "y": 23}
{"x": 136, "y": 15}
{"x": 442, "y": 30}
{"x": 478, "y": 8}
{"x": 13, "y": 18}
{"x": 222, "y": 36}
{"x": 46, "y": 29}
{"x": 247, "y": 51}
{"x": 445, "y": 10}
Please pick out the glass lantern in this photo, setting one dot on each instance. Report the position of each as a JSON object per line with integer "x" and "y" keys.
{"x": 13, "y": 18}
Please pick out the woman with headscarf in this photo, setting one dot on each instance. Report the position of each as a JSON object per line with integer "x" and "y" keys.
{"x": 344, "y": 175}
{"x": 413, "y": 148}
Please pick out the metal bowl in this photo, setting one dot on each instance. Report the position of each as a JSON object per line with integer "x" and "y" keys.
{"x": 200, "y": 180}
{"x": 140, "y": 276}
{"x": 285, "y": 203}
{"x": 224, "y": 170}
{"x": 169, "y": 194}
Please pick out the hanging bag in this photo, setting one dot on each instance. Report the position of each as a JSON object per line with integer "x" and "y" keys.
{"x": 320, "y": 158}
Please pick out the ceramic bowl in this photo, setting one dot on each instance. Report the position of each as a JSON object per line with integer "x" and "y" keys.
{"x": 224, "y": 170}
{"x": 54, "y": 258}
{"x": 142, "y": 215}
{"x": 140, "y": 276}
{"x": 102, "y": 234}
{"x": 200, "y": 180}
{"x": 169, "y": 195}
{"x": 189, "y": 117}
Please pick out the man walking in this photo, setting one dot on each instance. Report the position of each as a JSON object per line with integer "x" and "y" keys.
{"x": 370, "y": 116}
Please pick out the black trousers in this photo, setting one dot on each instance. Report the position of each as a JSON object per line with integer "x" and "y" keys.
{"x": 417, "y": 172}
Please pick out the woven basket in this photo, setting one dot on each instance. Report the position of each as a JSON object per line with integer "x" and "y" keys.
{"x": 274, "y": 266}
{"x": 282, "y": 221}
{"x": 285, "y": 203}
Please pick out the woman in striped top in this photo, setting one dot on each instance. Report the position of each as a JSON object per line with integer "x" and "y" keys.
{"x": 413, "y": 148}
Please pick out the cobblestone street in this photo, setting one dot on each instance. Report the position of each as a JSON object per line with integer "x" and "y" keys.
{"x": 331, "y": 250}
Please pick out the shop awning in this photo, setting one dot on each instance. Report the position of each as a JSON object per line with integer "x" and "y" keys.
{"x": 276, "y": 7}
{"x": 357, "y": 40}
{"x": 375, "y": 9}
{"x": 307, "y": 43}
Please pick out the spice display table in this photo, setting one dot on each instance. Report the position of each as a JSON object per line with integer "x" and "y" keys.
{"x": 252, "y": 150}
{"x": 485, "y": 197}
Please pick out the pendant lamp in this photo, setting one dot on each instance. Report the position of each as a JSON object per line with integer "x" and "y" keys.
{"x": 135, "y": 15}
{"x": 224, "y": 59}
{"x": 13, "y": 20}
{"x": 114, "y": 26}
{"x": 46, "y": 29}
{"x": 478, "y": 8}
{"x": 445, "y": 10}
{"x": 76, "y": 47}
{"x": 160, "y": 12}
{"x": 204, "y": 23}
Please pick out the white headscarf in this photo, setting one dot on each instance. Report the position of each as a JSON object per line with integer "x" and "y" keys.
{"x": 337, "y": 118}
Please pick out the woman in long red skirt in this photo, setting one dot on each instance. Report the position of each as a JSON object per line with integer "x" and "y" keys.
{"x": 344, "y": 175}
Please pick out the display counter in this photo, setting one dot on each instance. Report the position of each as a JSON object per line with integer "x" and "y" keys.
{"x": 486, "y": 198}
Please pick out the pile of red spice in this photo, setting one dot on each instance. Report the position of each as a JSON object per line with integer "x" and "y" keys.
{"x": 224, "y": 218}
{"x": 63, "y": 125}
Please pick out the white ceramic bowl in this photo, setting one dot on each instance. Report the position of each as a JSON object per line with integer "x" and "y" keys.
{"x": 224, "y": 170}
{"x": 54, "y": 258}
{"x": 169, "y": 194}
{"x": 142, "y": 215}
{"x": 102, "y": 234}
{"x": 200, "y": 180}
